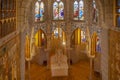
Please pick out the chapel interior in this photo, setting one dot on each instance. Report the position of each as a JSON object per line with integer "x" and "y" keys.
{"x": 59, "y": 39}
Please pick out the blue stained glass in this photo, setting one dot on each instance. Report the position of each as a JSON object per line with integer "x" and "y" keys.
{"x": 80, "y": 14}
{"x": 39, "y": 11}
{"x": 118, "y": 2}
{"x": 118, "y": 10}
{"x": 81, "y": 11}
{"x": 98, "y": 46}
{"x": 61, "y": 11}
{"x": 83, "y": 38}
{"x": 118, "y": 22}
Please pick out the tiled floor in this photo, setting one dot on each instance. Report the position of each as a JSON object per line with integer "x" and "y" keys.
{"x": 79, "y": 71}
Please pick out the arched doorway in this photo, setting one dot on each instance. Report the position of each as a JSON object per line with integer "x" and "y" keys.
{"x": 78, "y": 44}
{"x": 78, "y": 38}
{"x": 39, "y": 48}
{"x": 96, "y": 52}
{"x": 40, "y": 39}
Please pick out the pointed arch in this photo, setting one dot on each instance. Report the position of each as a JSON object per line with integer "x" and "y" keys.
{"x": 40, "y": 39}
{"x": 78, "y": 36}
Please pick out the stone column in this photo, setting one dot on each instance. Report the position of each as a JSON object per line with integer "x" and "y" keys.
{"x": 22, "y": 57}
{"x": 104, "y": 54}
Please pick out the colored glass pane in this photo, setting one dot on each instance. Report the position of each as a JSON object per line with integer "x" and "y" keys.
{"x": 118, "y": 21}
{"x": 118, "y": 3}
{"x": 81, "y": 10}
{"x": 55, "y": 11}
{"x": 76, "y": 10}
{"x": 83, "y": 38}
{"x": 37, "y": 12}
{"x": 61, "y": 11}
{"x": 98, "y": 47}
{"x": 41, "y": 11}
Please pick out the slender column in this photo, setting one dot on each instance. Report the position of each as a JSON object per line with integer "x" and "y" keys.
{"x": 22, "y": 56}
{"x": 29, "y": 70}
{"x": 91, "y": 76}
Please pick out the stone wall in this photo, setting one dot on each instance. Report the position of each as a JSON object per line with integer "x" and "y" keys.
{"x": 114, "y": 57}
{"x": 9, "y": 60}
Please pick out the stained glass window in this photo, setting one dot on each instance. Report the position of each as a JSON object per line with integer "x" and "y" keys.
{"x": 98, "y": 46}
{"x": 39, "y": 11}
{"x": 118, "y": 21}
{"x": 58, "y": 10}
{"x": 76, "y": 10}
{"x": 55, "y": 11}
{"x": 117, "y": 13}
{"x": 118, "y": 3}
{"x": 95, "y": 12}
{"x": 58, "y": 32}
{"x": 79, "y": 10}
{"x": 83, "y": 38}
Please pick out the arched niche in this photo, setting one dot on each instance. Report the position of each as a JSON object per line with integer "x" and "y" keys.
{"x": 95, "y": 44}
{"x": 78, "y": 37}
{"x": 27, "y": 48}
{"x": 58, "y": 39}
{"x": 40, "y": 39}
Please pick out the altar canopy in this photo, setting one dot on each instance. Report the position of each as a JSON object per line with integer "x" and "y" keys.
{"x": 59, "y": 65}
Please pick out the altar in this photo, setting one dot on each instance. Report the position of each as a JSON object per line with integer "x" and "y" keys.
{"x": 59, "y": 65}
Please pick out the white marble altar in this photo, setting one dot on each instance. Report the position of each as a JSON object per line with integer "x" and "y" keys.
{"x": 59, "y": 65}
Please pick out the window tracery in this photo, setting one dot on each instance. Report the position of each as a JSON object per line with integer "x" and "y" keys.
{"x": 78, "y": 12}
{"x": 39, "y": 11}
{"x": 58, "y": 10}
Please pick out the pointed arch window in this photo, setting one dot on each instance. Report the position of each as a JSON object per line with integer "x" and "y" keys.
{"x": 58, "y": 10}
{"x": 95, "y": 12}
{"x": 78, "y": 13}
{"x": 39, "y": 11}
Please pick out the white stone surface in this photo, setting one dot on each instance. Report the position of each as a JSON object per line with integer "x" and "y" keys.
{"x": 59, "y": 66}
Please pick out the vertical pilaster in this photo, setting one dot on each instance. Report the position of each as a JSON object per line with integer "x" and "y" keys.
{"x": 104, "y": 54}
{"x": 22, "y": 57}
